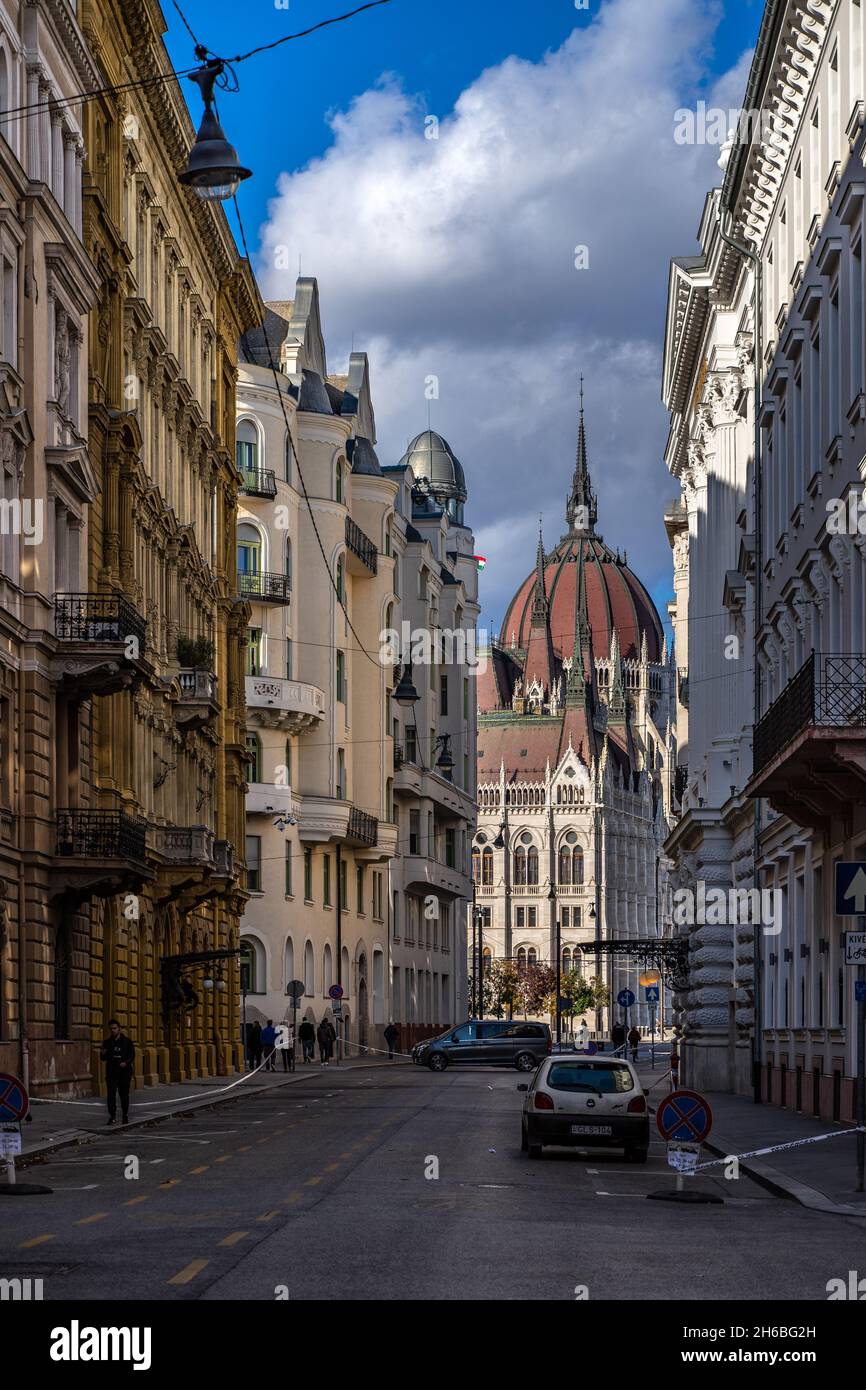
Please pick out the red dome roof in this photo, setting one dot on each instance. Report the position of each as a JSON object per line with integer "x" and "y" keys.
{"x": 615, "y": 600}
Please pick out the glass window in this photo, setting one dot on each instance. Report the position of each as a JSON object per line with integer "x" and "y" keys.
{"x": 254, "y": 661}
{"x": 247, "y": 446}
{"x": 341, "y": 677}
{"x": 308, "y": 875}
{"x": 359, "y": 887}
{"x": 288, "y": 870}
{"x": 476, "y": 865}
{"x": 254, "y": 863}
{"x": 338, "y": 481}
{"x": 254, "y": 758}
{"x": 577, "y": 866}
{"x": 249, "y": 549}
{"x": 532, "y": 865}
{"x": 573, "y": 1076}
{"x": 487, "y": 867}
{"x": 326, "y": 879}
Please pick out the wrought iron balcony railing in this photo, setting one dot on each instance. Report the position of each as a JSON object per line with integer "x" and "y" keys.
{"x": 270, "y": 588}
{"x": 259, "y": 482}
{"x": 398, "y": 755}
{"x": 97, "y": 618}
{"x": 96, "y": 835}
{"x": 362, "y": 828}
{"x": 361, "y": 546}
{"x": 827, "y": 692}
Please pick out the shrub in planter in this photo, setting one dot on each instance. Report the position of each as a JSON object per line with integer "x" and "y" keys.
{"x": 197, "y": 652}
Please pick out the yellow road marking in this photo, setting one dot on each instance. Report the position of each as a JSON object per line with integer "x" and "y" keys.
{"x": 311, "y": 1182}
{"x": 223, "y": 1158}
{"x": 293, "y": 1197}
{"x": 171, "y": 1182}
{"x": 36, "y": 1240}
{"x": 331, "y": 1167}
{"x": 88, "y": 1220}
{"x": 234, "y": 1238}
{"x": 267, "y": 1216}
{"x": 243, "y": 1148}
{"x": 202, "y": 1168}
{"x": 184, "y": 1276}
{"x": 265, "y": 1140}
{"x": 134, "y": 1201}
{"x": 347, "y": 1154}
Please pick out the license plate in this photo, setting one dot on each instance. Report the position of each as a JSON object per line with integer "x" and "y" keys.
{"x": 592, "y": 1129}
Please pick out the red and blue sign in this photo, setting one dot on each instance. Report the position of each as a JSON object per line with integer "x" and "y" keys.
{"x": 684, "y": 1116}
{"x": 14, "y": 1101}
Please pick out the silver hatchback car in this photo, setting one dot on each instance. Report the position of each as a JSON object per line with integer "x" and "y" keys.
{"x": 585, "y": 1102}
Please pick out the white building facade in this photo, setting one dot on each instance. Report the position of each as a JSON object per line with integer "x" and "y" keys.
{"x": 770, "y": 599}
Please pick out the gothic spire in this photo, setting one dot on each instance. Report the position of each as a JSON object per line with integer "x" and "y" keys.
{"x": 581, "y": 509}
{"x": 540, "y": 605}
{"x": 575, "y": 690}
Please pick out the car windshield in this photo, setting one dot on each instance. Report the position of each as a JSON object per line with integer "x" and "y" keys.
{"x": 576, "y": 1076}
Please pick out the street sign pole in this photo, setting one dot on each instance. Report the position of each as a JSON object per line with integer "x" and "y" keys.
{"x": 861, "y": 1070}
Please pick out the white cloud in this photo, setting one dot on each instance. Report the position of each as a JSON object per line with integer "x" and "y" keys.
{"x": 456, "y": 257}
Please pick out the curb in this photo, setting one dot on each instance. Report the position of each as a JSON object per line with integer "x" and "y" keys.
{"x": 766, "y": 1176}
{"x": 81, "y": 1136}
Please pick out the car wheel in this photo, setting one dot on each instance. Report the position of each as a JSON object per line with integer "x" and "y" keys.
{"x": 438, "y": 1062}
{"x": 636, "y": 1155}
{"x": 524, "y": 1061}
{"x": 524, "y": 1139}
{"x": 533, "y": 1150}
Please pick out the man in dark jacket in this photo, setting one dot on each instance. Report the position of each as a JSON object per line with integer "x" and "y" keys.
{"x": 307, "y": 1035}
{"x": 118, "y": 1054}
{"x": 269, "y": 1042}
{"x": 326, "y": 1036}
{"x": 392, "y": 1035}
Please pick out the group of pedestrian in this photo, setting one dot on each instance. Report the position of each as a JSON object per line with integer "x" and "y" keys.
{"x": 619, "y": 1037}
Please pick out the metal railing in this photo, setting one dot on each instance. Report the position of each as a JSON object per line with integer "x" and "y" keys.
{"x": 827, "y": 692}
{"x": 100, "y": 835}
{"x": 259, "y": 482}
{"x": 362, "y": 828}
{"x": 196, "y": 684}
{"x": 97, "y": 618}
{"x": 271, "y": 588}
{"x": 361, "y": 545}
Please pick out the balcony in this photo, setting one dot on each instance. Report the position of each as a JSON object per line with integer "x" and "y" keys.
{"x": 183, "y": 846}
{"x": 100, "y": 643}
{"x": 259, "y": 482}
{"x": 363, "y": 555}
{"x": 362, "y": 829}
{"x": 809, "y": 749}
{"x": 292, "y": 706}
{"x": 265, "y": 587}
{"x": 269, "y": 799}
{"x": 451, "y": 802}
{"x": 192, "y": 864}
{"x": 98, "y": 854}
{"x": 197, "y": 704}
{"x": 423, "y": 875}
{"x": 328, "y": 819}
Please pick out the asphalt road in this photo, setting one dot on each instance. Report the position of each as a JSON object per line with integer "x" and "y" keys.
{"x": 318, "y": 1190}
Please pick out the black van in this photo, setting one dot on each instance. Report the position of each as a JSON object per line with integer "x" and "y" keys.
{"x": 487, "y": 1042}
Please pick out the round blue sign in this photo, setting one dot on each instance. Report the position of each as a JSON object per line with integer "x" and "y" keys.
{"x": 625, "y": 998}
{"x": 14, "y": 1102}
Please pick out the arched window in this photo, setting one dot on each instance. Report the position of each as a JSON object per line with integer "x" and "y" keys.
{"x": 521, "y": 959}
{"x": 309, "y": 969}
{"x": 565, "y": 865}
{"x": 247, "y": 446}
{"x": 290, "y": 961}
{"x": 288, "y": 454}
{"x": 532, "y": 956}
{"x": 532, "y": 865}
{"x": 289, "y": 560}
{"x": 346, "y": 977}
{"x": 62, "y": 981}
{"x": 253, "y": 970}
{"x": 249, "y": 549}
{"x": 327, "y": 969}
{"x": 341, "y": 579}
{"x": 338, "y": 481}
{"x": 577, "y": 865}
{"x": 487, "y": 867}
{"x": 476, "y": 865}
{"x": 566, "y": 960}
{"x": 520, "y": 866}
{"x": 488, "y": 960}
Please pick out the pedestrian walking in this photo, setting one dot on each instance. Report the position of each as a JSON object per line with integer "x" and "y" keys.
{"x": 582, "y": 1035}
{"x": 256, "y": 1054}
{"x": 269, "y": 1044}
{"x": 392, "y": 1037}
{"x": 118, "y": 1054}
{"x": 307, "y": 1035}
{"x": 634, "y": 1042}
{"x": 288, "y": 1052}
{"x": 249, "y": 1044}
{"x": 326, "y": 1037}
{"x": 617, "y": 1035}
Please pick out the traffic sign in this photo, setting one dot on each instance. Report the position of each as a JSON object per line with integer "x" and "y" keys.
{"x": 860, "y": 991}
{"x": 685, "y": 1116}
{"x": 855, "y": 948}
{"x": 14, "y": 1102}
{"x": 683, "y": 1156}
{"x": 337, "y": 1008}
{"x": 851, "y": 887}
{"x": 335, "y": 992}
{"x": 295, "y": 990}
{"x": 625, "y": 998}
{"x": 591, "y": 1049}
{"x": 651, "y": 994}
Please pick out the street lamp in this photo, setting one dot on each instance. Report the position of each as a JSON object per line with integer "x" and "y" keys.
{"x": 445, "y": 762}
{"x": 405, "y": 693}
{"x": 551, "y": 898}
{"x": 213, "y": 170}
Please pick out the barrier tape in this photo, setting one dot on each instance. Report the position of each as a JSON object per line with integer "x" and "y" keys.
{"x": 778, "y": 1148}
{"x": 140, "y": 1105}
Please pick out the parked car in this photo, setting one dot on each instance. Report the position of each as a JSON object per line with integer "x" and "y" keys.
{"x": 487, "y": 1042}
{"x": 585, "y": 1102}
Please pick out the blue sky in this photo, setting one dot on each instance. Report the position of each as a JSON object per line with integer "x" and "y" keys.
{"x": 438, "y": 258}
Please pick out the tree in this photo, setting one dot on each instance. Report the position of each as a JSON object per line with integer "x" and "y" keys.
{"x": 534, "y": 985}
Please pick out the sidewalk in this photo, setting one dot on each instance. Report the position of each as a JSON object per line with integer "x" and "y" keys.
{"x": 59, "y": 1122}
{"x": 820, "y": 1176}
